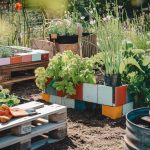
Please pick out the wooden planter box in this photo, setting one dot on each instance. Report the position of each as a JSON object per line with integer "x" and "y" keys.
{"x": 64, "y": 47}
{"x": 15, "y": 60}
{"x": 112, "y": 112}
{"x": 4, "y": 61}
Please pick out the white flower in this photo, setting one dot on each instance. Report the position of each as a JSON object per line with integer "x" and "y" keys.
{"x": 120, "y": 7}
{"x": 92, "y": 22}
{"x": 91, "y": 11}
{"x": 148, "y": 33}
{"x": 108, "y": 17}
{"x": 82, "y": 18}
{"x": 94, "y": 8}
{"x": 105, "y": 19}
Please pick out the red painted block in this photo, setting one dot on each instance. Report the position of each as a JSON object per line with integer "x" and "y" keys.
{"x": 45, "y": 56}
{"x": 26, "y": 58}
{"x": 48, "y": 81}
{"x": 61, "y": 94}
{"x": 15, "y": 60}
{"x": 79, "y": 92}
{"x": 120, "y": 95}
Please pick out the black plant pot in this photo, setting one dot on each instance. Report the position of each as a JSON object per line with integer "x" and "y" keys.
{"x": 65, "y": 39}
{"x": 113, "y": 80}
{"x": 86, "y": 34}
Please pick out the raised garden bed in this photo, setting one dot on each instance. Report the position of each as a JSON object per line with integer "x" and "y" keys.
{"x": 17, "y": 55}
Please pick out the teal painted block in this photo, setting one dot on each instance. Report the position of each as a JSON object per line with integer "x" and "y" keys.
{"x": 90, "y": 92}
{"x": 69, "y": 103}
{"x": 105, "y": 95}
{"x": 80, "y": 105}
{"x": 127, "y": 108}
{"x": 55, "y": 99}
{"x": 130, "y": 98}
{"x": 36, "y": 56}
{"x": 50, "y": 90}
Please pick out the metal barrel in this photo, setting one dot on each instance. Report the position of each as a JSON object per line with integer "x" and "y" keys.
{"x": 137, "y": 137}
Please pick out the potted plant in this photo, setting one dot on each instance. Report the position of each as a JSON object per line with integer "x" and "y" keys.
{"x": 4, "y": 56}
{"x": 65, "y": 30}
{"x": 110, "y": 36}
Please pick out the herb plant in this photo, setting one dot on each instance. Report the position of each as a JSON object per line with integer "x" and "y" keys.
{"x": 68, "y": 70}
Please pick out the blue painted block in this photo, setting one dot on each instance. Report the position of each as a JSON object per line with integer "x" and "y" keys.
{"x": 80, "y": 105}
{"x": 90, "y": 92}
{"x": 69, "y": 103}
{"x": 35, "y": 56}
{"x": 105, "y": 95}
{"x": 127, "y": 108}
{"x": 130, "y": 98}
{"x": 56, "y": 100}
{"x": 50, "y": 90}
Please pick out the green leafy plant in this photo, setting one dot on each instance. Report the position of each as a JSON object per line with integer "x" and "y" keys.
{"x": 7, "y": 98}
{"x": 138, "y": 81}
{"x": 68, "y": 70}
{"x": 62, "y": 27}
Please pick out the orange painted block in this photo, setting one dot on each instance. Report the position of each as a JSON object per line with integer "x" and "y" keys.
{"x": 15, "y": 60}
{"x": 46, "y": 97}
{"x": 120, "y": 95}
{"x": 112, "y": 112}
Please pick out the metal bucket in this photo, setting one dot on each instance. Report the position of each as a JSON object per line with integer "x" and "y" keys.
{"x": 137, "y": 137}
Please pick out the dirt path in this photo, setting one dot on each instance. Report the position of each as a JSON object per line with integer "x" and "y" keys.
{"x": 86, "y": 131}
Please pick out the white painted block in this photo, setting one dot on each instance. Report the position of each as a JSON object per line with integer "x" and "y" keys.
{"x": 55, "y": 99}
{"x": 105, "y": 95}
{"x": 69, "y": 103}
{"x": 90, "y": 93}
{"x": 127, "y": 108}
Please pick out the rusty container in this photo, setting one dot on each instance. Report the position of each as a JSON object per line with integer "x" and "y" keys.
{"x": 137, "y": 136}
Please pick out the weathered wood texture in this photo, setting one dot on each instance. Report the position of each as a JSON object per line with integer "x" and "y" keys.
{"x": 6, "y": 78}
{"x": 23, "y": 132}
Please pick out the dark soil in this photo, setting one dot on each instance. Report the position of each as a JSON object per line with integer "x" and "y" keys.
{"x": 86, "y": 130}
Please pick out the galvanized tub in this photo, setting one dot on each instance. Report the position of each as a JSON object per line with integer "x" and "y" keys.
{"x": 137, "y": 137}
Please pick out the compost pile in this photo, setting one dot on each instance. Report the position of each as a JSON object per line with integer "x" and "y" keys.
{"x": 86, "y": 130}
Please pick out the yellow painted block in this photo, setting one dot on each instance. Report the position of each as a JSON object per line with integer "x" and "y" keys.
{"x": 46, "y": 97}
{"x": 112, "y": 112}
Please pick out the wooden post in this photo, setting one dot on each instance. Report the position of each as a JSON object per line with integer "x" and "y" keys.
{"x": 80, "y": 31}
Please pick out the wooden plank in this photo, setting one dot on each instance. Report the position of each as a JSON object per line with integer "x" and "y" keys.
{"x": 146, "y": 118}
{"x": 11, "y": 139}
{"x": 43, "y": 142}
{"x": 29, "y": 105}
{"x": 42, "y": 112}
{"x": 18, "y": 79}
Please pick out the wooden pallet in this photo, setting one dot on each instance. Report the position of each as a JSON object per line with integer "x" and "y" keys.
{"x": 6, "y": 78}
{"x": 32, "y": 132}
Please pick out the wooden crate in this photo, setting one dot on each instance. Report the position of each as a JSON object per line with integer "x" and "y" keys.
{"x": 7, "y": 79}
{"x": 32, "y": 132}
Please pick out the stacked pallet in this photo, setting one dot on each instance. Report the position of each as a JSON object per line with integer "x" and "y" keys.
{"x": 32, "y": 132}
{"x": 21, "y": 66}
